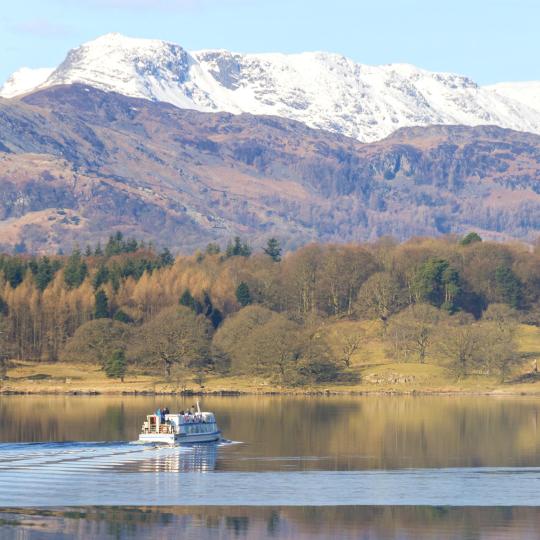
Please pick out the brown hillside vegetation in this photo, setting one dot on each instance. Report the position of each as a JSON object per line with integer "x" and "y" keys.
{"x": 76, "y": 162}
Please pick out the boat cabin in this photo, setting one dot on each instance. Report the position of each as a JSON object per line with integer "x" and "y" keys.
{"x": 181, "y": 424}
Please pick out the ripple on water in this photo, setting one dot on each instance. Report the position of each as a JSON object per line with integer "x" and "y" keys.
{"x": 120, "y": 473}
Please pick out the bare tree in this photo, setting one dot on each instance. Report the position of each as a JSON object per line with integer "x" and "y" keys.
{"x": 380, "y": 296}
{"x": 175, "y": 337}
{"x": 410, "y": 332}
{"x": 350, "y": 345}
{"x": 274, "y": 348}
{"x": 458, "y": 343}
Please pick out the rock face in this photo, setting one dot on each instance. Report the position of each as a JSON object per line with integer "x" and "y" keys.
{"x": 322, "y": 90}
{"x": 77, "y": 162}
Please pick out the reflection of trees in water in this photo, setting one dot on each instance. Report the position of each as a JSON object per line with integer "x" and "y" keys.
{"x": 391, "y": 432}
{"x": 114, "y": 424}
{"x": 315, "y": 432}
{"x": 348, "y": 522}
{"x": 16, "y": 427}
{"x": 237, "y": 524}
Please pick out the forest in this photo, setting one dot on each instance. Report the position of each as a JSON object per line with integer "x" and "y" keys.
{"x": 233, "y": 310}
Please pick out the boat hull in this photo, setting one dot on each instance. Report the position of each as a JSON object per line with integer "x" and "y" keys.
{"x": 175, "y": 438}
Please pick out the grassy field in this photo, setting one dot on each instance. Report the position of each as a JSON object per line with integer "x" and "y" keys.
{"x": 370, "y": 371}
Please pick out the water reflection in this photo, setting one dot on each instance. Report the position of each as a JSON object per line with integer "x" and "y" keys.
{"x": 342, "y": 523}
{"x": 68, "y": 457}
{"x": 197, "y": 458}
{"x": 290, "y": 433}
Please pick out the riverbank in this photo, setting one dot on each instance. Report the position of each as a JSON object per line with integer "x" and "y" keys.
{"x": 383, "y": 378}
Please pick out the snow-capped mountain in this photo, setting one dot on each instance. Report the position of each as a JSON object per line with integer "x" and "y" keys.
{"x": 322, "y": 90}
{"x": 527, "y": 93}
{"x": 24, "y": 80}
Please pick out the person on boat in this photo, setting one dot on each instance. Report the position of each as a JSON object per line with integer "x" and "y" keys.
{"x": 166, "y": 410}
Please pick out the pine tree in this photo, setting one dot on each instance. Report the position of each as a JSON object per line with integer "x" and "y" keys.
{"x": 187, "y": 300}
{"x": 75, "y": 270}
{"x": 166, "y": 258}
{"x": 439, "y": 284}
{"x": 509, "y": 287}
{"x": 98, "y": 252}
{"x": 100, "y": 277}
{"x": 101, "y": 309}
{"x": 216, "y": 317}
{"x": 470, "y": 238}
{"x": 273, "y": 249}
{"x": 44, "y": 273}
{"x": 238, "y": 248}
{"x": 243, "y": 295}
{"x": 115, "y": 278}
{"x": 208, "y": 310}
{"x": 116, "y": 366}
{"x": 213, "y": 249}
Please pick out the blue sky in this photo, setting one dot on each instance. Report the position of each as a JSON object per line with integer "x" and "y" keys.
{"x": 489, "y": 40}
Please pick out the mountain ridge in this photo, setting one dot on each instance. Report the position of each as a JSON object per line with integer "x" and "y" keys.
{"x": 323, "y": 90}
{"x": 77, "y": 162}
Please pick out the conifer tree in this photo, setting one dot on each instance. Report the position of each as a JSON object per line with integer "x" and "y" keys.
{"x": 470, "y": 238}
{"x": 100, "y": 277}
{"x": 509, "y": 287}
{"x": 44, "y": 273}
{"x": 243, "y": 294}
{"x": 75, "y": 270}
{"x": 273, "y": 249}
{"x": 187, "y": 300}
{"x": 166, "y": 258}
{"x": 213, "y": 249}
{"x": 116, "y": 365}
{"x": 101, "y": 310}
{"x": 237, "y": 248}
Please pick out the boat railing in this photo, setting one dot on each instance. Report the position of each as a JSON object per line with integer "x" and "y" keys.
{"x": 158, "y": 427}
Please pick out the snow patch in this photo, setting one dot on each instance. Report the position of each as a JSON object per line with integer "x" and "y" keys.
{"x": 24, "y": 80}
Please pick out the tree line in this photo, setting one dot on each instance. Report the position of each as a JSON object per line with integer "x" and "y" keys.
{"x": 237, "y": 311}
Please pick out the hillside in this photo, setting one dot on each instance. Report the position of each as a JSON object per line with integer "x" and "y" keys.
{"x": 323, "y": 90}
{"x": 76, "y": 162}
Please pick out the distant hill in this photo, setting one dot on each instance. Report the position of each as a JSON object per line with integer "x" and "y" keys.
{"x": 77, "y": 163}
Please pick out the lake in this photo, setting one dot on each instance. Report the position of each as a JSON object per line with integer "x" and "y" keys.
{"x": 369, "y": 467}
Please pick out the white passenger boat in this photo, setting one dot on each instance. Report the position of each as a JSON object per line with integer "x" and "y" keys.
{"x": 180, "y": 428}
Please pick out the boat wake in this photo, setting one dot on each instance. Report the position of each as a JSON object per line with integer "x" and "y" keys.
{"x": 87, "y": 457}
{"x": 123, "y": 473}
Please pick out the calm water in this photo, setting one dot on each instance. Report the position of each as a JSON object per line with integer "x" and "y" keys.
{"x": 292, "y": 461}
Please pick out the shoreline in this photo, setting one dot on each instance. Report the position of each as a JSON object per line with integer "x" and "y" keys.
{"x": 406, "y": 379}
{"x": 498, "y": 392}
